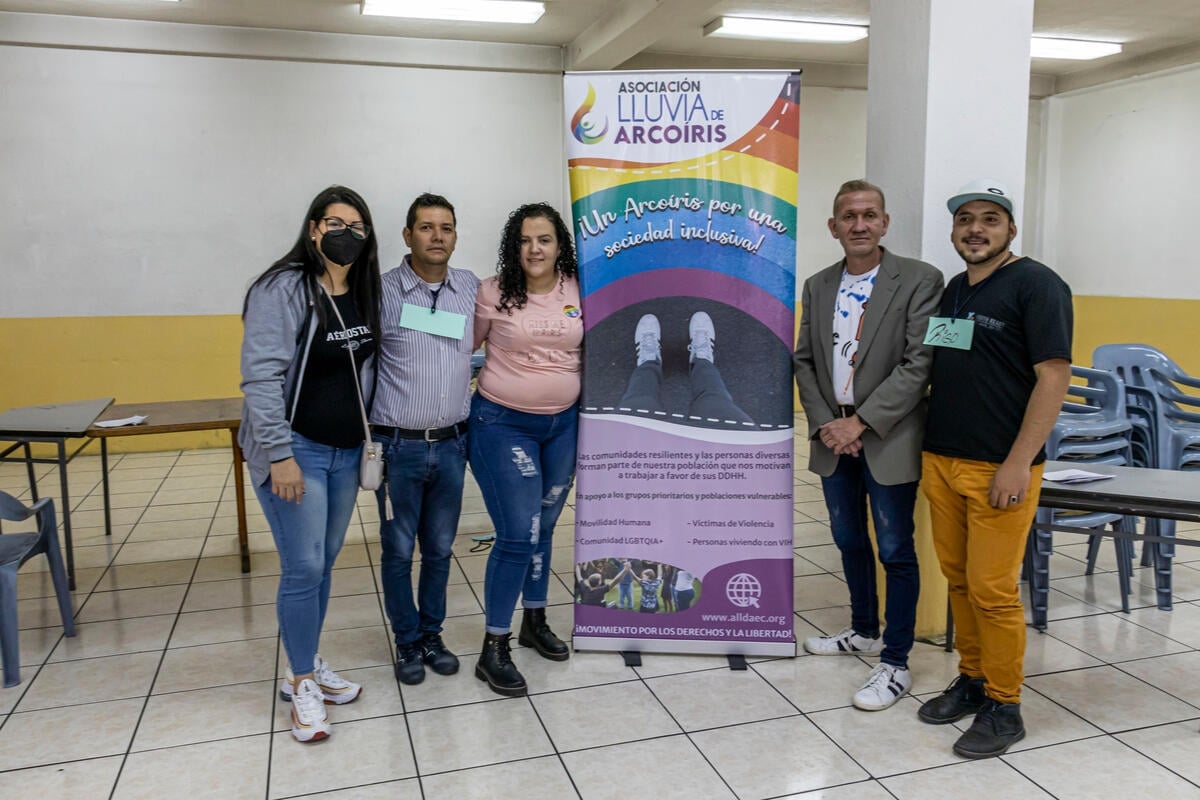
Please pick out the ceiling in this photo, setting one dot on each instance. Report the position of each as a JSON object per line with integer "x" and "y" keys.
{"x": 607, "y": 34}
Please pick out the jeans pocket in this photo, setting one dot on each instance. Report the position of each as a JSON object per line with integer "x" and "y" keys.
{"x": 485, "y": 412}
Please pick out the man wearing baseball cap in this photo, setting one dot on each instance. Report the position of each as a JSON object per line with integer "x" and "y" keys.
{"x": 1001, "y": 365}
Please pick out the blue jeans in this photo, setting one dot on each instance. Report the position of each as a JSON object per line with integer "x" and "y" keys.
{"x": 425, "y": 485}
{"x": 846, "y": 493}
{"x": 710, "y": 398}
{"x": 625, "y": 595}
{"x": 524, "y": 464}
{"x": 308, "y": 536}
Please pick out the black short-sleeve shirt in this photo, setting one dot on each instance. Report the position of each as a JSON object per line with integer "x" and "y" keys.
{"x": 1023, "y": 316}
{"x": 327, "y": 411}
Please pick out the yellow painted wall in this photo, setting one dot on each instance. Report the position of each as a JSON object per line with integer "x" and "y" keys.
{"x": 133, "y": 359}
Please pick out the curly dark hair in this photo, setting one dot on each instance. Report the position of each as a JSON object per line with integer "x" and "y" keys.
{"x": 508, "y": 262}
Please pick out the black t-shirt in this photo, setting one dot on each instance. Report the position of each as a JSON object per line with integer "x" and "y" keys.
{"x": 1023, "y": 316}
{"x": 327, "y": 411}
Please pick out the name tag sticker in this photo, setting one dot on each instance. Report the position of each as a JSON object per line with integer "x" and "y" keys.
{"x": 439, "y": 323}
{"x": 950, "y": 332}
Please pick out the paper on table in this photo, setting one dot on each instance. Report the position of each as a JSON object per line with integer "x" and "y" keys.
{"x": 118, "y": 423}
{"x": 1075, "y": 476}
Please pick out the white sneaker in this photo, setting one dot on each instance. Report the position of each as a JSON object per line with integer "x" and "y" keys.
{"x": 310, "y": 723}
{"x": 703, "y": 335}
{"x": 846, "y": 643}
{"x": 885, "y": 686}
{"x": 647, "y": 337}
{"x": 336, "y": 689}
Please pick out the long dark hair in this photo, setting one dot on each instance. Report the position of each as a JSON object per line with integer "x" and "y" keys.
{"x": 508, "y": 262}
{"x": 307, "y": 260}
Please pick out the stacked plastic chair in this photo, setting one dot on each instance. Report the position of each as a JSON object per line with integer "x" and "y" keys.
{"x": 1165, "y": 428}
{"x": 15, "y": 550}
{"x": 1092, "y": 429}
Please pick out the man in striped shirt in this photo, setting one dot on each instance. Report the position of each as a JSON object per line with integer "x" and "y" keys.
{"x": 420, "y": 415}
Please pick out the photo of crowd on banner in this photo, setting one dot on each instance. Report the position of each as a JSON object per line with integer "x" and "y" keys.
{"x": 632, "y": 584}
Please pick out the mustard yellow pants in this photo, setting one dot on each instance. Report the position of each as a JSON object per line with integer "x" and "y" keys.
{"x": 980, "y": 549}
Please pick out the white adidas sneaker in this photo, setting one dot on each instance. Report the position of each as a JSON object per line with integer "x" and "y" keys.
{"x": 844, "y": 643}
{"x": 885, "y": 686}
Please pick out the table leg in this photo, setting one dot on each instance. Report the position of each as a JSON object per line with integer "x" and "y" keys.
{"x": 240, "y": 489}
{"x": 29, "y": 469}
{"x": 66, "y": 512}
{"x": 104, "y": 480}
{"x": 1038, "y": 548}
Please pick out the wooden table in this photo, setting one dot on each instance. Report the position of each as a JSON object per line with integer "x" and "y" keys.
{"x": 179, "y": 416}
{"x": 53, "y": 423}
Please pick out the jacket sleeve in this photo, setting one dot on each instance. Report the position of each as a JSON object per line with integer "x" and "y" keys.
{"x": 816, "y": 410}
{"x": 901, "y": 391}
{"x": 270, "y": 330}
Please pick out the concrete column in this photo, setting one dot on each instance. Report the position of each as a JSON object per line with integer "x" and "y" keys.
{"x": 947, "y": 102}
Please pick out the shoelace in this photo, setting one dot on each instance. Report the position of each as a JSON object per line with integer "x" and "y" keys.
{"x": 881, "y": 676}
{"x": 309, "y": 705}
{"x": 647, "y": 344}
{"x": 703, "y": 345}
{"x": 327, "y": 677}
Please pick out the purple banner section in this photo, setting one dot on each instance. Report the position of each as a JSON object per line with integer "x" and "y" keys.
{"x": 735, "y": 602}
{"x": 691, "y": 283}
{"x": 718, "y": 514}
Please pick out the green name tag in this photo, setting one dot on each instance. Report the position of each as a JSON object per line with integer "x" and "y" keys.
{"x": 439, "y": 323}
{"x": 950, "y": 332}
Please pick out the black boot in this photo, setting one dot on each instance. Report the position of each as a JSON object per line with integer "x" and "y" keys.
{"x": 536, "y": 633}
{"x": 496, "y": 667}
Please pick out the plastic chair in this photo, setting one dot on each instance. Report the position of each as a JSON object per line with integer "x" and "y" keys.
{"x": 15, "y": 550}
{"x": 1170, "y": 433}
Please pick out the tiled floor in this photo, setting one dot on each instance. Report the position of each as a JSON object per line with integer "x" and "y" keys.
{"x": 169, "y": 688}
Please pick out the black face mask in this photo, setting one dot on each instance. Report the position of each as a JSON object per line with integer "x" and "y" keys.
{"x": 342, "y": 247}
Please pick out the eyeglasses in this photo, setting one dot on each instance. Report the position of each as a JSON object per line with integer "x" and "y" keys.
{"x": 358, "y": 230}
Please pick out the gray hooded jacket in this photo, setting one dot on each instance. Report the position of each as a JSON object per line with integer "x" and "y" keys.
{"x": 274, "y": 352}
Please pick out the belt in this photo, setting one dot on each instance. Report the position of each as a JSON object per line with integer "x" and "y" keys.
{"x": 845, "y": 411}
{"x": 428, "y": 434}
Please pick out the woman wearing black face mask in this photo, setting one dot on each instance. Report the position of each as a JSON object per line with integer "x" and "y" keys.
{"x": 310, "y": 334}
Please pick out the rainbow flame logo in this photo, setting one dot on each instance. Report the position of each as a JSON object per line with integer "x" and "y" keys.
{"x": 583, "y": 130}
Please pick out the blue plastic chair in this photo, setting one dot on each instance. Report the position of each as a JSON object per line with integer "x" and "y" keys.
{"x": 15, "y": 550}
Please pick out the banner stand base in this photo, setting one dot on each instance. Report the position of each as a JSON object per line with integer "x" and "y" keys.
{"x": 633, "y": 658}
{"x": 737, "y": 662}
{"x": 636, "y": 647}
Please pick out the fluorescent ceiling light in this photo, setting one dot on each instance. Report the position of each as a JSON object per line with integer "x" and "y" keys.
{"x": 784, "y": 30}
{"x": 1074, "y": 49}
{"x": 515, "y": 11}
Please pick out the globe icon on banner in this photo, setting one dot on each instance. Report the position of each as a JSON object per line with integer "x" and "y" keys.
{"x": 743, "y": 590}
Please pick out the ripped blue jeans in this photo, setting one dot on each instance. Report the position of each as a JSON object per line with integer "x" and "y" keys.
{"x": 524, "y": 464}
{"x": 846, "y": 493}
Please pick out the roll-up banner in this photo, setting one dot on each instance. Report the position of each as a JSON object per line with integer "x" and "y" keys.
{"x": 683, "y": 191}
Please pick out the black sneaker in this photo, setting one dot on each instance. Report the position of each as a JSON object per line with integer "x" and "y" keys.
{"x": 963, "y": 696}
{"x": 410, "y": 665}
{"x": 435, "y": 654}
{"x": 997, "y": 727}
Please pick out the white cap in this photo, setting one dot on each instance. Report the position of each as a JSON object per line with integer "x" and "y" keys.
{"x": 982, "y": 189}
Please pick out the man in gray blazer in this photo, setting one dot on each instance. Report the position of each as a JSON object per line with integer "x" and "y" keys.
{"x": 863, "y": 370}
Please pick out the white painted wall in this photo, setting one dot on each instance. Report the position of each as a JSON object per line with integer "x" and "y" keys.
{"x": 833, "y": 150}
{"x": 1123, "y": 165}
{"x": 139, "y": 183}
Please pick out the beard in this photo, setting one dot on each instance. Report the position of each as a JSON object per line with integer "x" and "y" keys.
{"x": 981, "y": 256}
